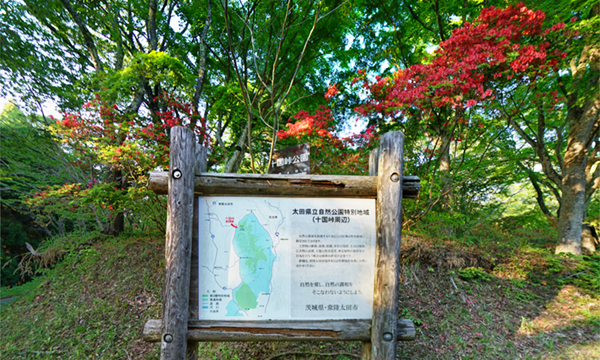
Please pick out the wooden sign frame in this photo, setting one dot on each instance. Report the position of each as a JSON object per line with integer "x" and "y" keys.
{"x": 187, "y": 177}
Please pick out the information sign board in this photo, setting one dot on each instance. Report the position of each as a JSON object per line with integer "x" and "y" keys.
{"x": 276, "y": 258}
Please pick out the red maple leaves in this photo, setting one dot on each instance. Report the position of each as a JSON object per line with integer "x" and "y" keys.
{"x": 501, "y": 44}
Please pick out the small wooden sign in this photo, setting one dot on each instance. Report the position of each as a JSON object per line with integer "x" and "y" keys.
{"x": 291, "y": 160}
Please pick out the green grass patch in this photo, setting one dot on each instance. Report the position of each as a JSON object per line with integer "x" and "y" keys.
{"x": 26, "y": 288}
{"x": 93, "y": 304}
{"x": 474, "y": 273}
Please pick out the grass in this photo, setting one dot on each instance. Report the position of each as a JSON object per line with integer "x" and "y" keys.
{"x": 483, "y": 301}
{"x": 27, "y": 287}
{"x": 92, "y": 305}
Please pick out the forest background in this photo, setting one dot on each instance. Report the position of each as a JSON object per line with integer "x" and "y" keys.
{"x": 498, "y": 101}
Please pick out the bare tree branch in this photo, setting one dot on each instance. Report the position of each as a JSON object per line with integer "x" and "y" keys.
{"x": 87, "y": 36}
{"x": 202, "y": 58}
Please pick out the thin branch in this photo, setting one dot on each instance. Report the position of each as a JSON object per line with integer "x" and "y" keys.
{"x": 301, "y": 55}
{"x": 151, "y": 25}
{"x": 87, "y": 36}
{"x": 241, "y": 84}
{"x": 416, "y": 17}
{"x": 202, "y": 60}
{"x": 558, "y": 147}
{"x": 436, "y": 7}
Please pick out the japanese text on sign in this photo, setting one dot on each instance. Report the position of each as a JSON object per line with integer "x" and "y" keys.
{"x": 265, "y": 258}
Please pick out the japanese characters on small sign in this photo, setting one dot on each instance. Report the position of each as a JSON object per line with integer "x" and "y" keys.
{"x": 291, "y": 160}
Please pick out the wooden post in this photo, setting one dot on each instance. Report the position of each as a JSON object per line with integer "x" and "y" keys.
{"x": 389, "y": 224}
{"x": 192, "y": 345}
{"x": 373, "y": 162}
{"x": 178, "y": 244}
{"x": 366, "y": 353}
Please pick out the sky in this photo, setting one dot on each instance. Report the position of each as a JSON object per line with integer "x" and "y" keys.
{"x": 49, "y": 107}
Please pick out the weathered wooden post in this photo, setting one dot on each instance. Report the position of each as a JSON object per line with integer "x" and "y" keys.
{"x": 384, "y": 332}
{"x": 178, "y": 247}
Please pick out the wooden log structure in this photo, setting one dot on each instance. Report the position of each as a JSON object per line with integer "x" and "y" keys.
{"x": 178, "y": 252}
{"x": 179, "y": 331}
{"x": 297, "y": 330}
{"x": 384, "y": 333}
{"x": 285, "y": 185}
{"x": 365, "y": 353}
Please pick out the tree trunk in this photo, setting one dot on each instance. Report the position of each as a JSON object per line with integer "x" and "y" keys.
{"x": 572, "y": 208}
{"x": 444, "y": 169}
{"x": 234, "y": 162}
{"x": 117, "y": 224}
{"x": 583, "y": 126}
{"x": 583, "y": 119}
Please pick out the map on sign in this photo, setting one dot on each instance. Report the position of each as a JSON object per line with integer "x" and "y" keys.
{"x": 274, "y": 258}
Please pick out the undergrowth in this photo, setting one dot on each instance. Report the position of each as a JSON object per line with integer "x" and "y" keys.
{"x": 53, "y": 250}
{"x": 92, "y": 304}
{"x": 502, "y": 296}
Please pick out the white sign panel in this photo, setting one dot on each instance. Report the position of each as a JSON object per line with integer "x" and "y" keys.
{"x": 274, "y": 258}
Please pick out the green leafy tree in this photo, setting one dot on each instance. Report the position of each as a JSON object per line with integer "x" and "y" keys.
{"x": 263, "y": 70}
{"x": 555, "y": 113}
{"x": 506, "y": 61}
{"x": 30, "y": 161}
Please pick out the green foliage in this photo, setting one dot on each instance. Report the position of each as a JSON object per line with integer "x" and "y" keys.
{"x": 474, "y": 273}
{"x": 156, "y": 68}
{"x": 80, "y": 208}
{"x": 586, "y": 273}
{"x": 29, "y": 161}
{"x": 30, "y": 157}
{"x": 39, "y": 67}
{"x": 520, "y": 295}
{"x": 27, "y": 287}
{"x": 56, "y": 208}
{"x": 406, "y": 314}
{"x": 90, "y": 305}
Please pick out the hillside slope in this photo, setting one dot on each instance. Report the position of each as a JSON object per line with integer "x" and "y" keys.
{"x": 92, "y": 305}
{"x": 466, "y": 303}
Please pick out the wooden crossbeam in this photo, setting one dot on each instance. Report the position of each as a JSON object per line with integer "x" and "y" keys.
{"x": 285, "y": 185}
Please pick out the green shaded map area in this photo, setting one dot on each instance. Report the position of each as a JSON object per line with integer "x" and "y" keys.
{"x": 253, "y": 244}
{"x": 245, "y": 297}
